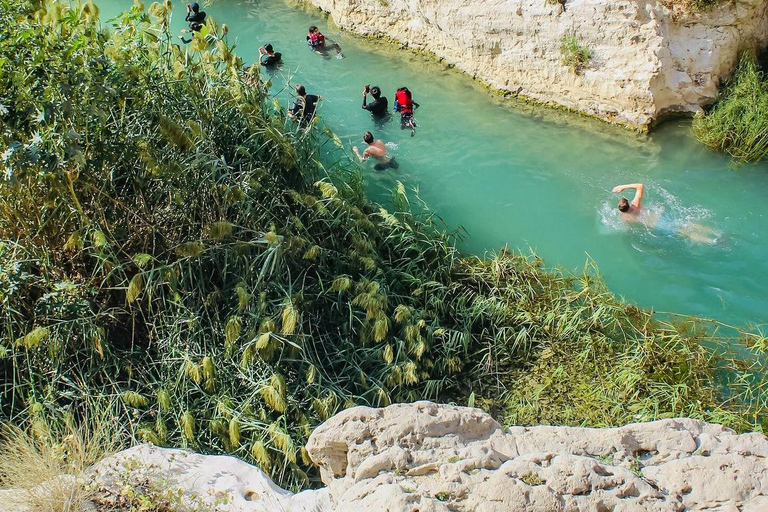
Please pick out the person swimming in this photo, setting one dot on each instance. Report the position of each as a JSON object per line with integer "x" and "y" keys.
{"x": 318, "y": 43}
{"x": 633, "y": 212}
{"x": 268, "y": 57}
{"x": 315, "y": 39}
{"x": 405, "y": 105}
{"x": 379, "y": 107}
{"x": 378, "y": 151}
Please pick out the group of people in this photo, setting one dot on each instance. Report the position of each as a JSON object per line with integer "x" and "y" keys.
{"x": 304, "y": 107}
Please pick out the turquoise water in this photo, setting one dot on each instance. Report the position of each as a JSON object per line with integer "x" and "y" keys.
{"x": 532, "y": 177}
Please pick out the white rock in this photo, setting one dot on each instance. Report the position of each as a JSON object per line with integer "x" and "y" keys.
{"x": 438, "y": 457}
{"x": 646, "y": 59}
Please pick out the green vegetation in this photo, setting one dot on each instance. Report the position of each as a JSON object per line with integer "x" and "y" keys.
{"x": 171, "y": 247}
{"x": 532, "y": 479}
{"x": 738, "y": 123}
{"x": 42, "y": 462}
{"x": 573, "y": 54}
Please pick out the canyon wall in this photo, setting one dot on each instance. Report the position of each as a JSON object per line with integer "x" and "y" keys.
{"x": 646, "y": 59}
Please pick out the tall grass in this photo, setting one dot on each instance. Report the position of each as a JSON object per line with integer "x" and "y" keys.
{"x": 43, "y": 460}
{"x": 738, "y": 123}
{"x": 173, "y": 246}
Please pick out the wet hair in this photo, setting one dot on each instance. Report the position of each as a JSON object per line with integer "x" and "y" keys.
{"x": 312, "y": 29}
{"x": 375, "y": 91}
{"x": 194, "y": 7}
{"x": 623, "y": 205}
{"x": 269, "y": 48}
{"x": 300, "y": 90}
{"x": 368, "y": 137}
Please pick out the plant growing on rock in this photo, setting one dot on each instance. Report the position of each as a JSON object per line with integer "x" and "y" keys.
{"x": 573, "y": 54}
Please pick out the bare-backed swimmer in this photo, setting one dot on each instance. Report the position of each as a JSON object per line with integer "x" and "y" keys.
{"x": 632, "y": 211}
{"x": 378, "y": 151}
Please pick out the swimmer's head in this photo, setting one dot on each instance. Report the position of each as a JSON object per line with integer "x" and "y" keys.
{"x": 368, "y": 138}
{"x": 623, "y": 205}
{"x": 269, "y": 48}
{"x": 312, "y": 29}
{"x": 375, "y": 92}
{"x": 300, "y": 90}
{"x": 194, "y": 7}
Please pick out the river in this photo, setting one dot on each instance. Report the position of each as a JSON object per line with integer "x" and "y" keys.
{"x": 531, "y": 177}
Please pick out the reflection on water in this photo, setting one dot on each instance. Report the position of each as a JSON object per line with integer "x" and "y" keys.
{"x": 510, "y": 172}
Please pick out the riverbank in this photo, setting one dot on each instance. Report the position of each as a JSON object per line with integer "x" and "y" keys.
{"x": 646, "y": 61}
{"x": 441, "y": 458}
{"x": 175, "y": 252}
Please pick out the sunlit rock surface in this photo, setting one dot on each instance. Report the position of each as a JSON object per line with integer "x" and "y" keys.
{"x": 426, "y": 457}
{"x": 647, "y": 60}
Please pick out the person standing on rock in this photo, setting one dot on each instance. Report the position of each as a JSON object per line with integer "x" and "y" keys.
{"x": 378, "y": 151}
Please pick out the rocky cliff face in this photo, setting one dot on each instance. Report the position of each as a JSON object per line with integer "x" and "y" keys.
{"x": 425, "y": 457}
{"x": 647, "y": 60}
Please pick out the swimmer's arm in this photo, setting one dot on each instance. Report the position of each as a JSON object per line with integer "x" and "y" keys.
{"x": 362, "y": 157}
{"x": 639, "y": 189}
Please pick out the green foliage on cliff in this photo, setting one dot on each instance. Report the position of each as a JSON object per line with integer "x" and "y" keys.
{"x": 170, "y": 244}
{"x": 738, "y": 123}
{"x": 574, "y": 55}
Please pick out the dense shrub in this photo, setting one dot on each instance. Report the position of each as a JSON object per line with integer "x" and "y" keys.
{"x": 738, "y": 123}
{"x": 173, "y": 246}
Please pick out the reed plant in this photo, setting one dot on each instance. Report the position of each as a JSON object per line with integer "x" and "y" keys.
{"x": 174, "y": 247}
{"x": 738, "y": 123}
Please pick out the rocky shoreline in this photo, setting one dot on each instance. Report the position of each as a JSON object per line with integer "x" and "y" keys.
{"x": 429, "y": 457}
{"x": 647, "y": 60}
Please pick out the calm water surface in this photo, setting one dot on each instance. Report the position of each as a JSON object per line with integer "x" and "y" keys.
{"x": 532, "y": 177}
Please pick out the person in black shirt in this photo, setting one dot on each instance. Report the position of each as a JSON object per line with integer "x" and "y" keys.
{"x": 304, "y": 107}
{"x": 196, "y": 19}
{"x": 194, "y": 15}
{"x": 268, "y": 56}
{"x": 379, "y": 107}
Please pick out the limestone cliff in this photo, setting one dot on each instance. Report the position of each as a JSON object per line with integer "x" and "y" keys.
{"x": 647, "y": 60}
{"x": 425, "y": 457}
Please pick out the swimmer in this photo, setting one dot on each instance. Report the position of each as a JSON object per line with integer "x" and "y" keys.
{"x": 268, "y": 56}
{"x": 316, "y": 41}
{"x": 304, "y": 107}
{"x": 631, "y": 212}
{"x": 405, "y": 105}
{"x": 379, "y": 107}
{"x": 378, "y": 151}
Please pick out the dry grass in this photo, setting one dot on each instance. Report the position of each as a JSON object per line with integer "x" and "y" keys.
{"x": 42, "y": 462}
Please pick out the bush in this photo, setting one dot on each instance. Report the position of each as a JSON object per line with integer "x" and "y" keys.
{"x": 172, "y": 246}
{"x": 573, "y": 54}
{"x": 738, "y": 123}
